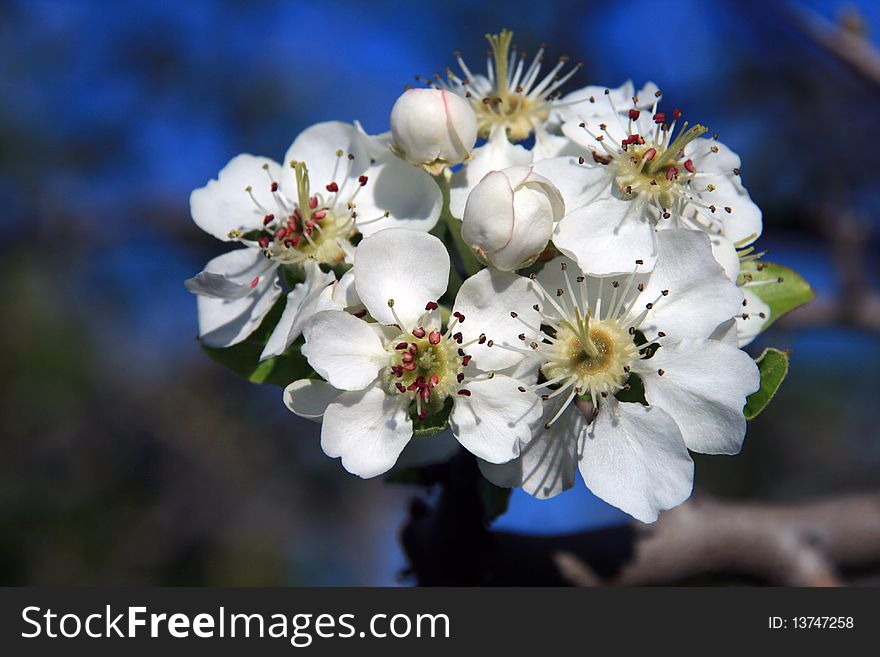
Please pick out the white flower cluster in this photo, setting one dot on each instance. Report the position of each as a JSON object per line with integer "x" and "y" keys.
{"x": 615, "y": 351}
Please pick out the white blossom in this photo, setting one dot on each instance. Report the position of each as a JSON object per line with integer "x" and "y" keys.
{"x": 644, "y": 171}
{"x": 382, "y": 379}
{"x": 433, "y": 128}
{"x": 603, "y": 340}
{"x": 335, "y": 184}
{"x": 509, "y": 217}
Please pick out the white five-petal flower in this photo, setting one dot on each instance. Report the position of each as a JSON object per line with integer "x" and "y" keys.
{"x": 644, "y": 171}
{"x": 337, "y": 181}
{"x": 382, "y": 379}
{"x": 605, "y": 339}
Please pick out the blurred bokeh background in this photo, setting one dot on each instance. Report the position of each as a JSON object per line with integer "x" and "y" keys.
{"x": 128, "y": 456}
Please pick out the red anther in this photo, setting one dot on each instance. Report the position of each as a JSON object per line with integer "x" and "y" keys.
{"x": 423, "y": 415}
{"x": 418, "y": 332}
{"x": 295, "y": 239}
{"x": 431, "y": 305}
{"x": 408, "y": 357}
{"x": 274, "y": 186}
{"x": 634, "y": 114}
{"x": 460, "y": 377}
{"x": 360, "y": 314}
{"x": 631, "y": 139}
{"x": 676, "y": 114}
{"x": 292, "y": 223}
{"x": 641, "y": 140}
{"x": 425, "y": 393}
{"x": 412, "y": 386}
{"x": 362, "y": 180}
{"x": 268, "y": 219}
{"x": 332, "y": 188}
{"x": 307, "y": 231}
{"x": 458, "y": 316}
{"x": 689, "y": 166}
{"x": 254, "y": 282}
{"x": 397, "y": 370}
{"x": 434, "y": 337}
{"x": 414, "y": 349}
{"x": 458, "y": 337}
{"x": 400, "y": 386}
{"x": 280, "y": 233}
{"x": 659, "y": 117}
{"x": 434, "y": 380}
{"x": 289, "y": 244}
{"x": 409, "y": 367}
{"x": 481, "y": 339}
{"x": 263, "y": 242}
{"x": 319, "y": 215}
{"x": 420, "y": 381}
{"x": 465, "y": 360}
{"x": 297, "y": 213}
{"x": 464, "y": 392}
{"x": 671, "y": 173}
{"x": 649, "y": 154}
{"x": 313, "y": 202}
{"x": 401, "y": 345}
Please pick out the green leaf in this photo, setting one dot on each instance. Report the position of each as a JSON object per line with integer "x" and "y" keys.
{"x": 773, "y": 365}
{"x": 781, "y": 288}
{"x": 434, "y": 423}
{"x": 244, "y": 357}
{"x": 495, "y": 500}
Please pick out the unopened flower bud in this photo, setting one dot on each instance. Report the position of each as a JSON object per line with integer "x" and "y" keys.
{"x": 433, "y": 128}
{"x": 509, "y": 217}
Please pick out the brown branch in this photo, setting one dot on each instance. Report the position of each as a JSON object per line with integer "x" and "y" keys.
{"x": 845, "y": 44}
{"x": 792, "y": 545}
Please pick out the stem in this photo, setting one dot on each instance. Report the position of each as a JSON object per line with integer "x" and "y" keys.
{"x": 466, "y": 263}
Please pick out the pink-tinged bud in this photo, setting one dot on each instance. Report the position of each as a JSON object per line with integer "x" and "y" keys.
{"x": 433, "y": 128}
{"x": 509, "y": 217}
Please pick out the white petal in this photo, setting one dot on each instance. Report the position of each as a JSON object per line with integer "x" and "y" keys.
{"x": 495, "y": 420}
{"x": 224, "y": 204}
{"x": 578, "y": 184}
{"x": 547, "y": 464}
{"x": 407, "y": 193}
{"x": 344, "y": 292}
{"x": 224, "y": 322}
{"x": 607, "y": 236}
{"x": 496, "y": 154}
{"x": 755, "y": 316}
{"x": 305, "y": 300}
{"x": 317, "y": 146}
{"x": 634, "y": 458}
{"x": 725, "y": 254}
{"x": 309, "y": 398}
{"x": 408, "y": 266}
{"x": 704, "y": 388}
{"x": 343, "y": 349}
{"x": 486, "y": 300}
{"x": 743, "y": 224}
{"x": 700, "y": 295}
{"x": 489, "y": 213}
{"x": 368, "y": 429}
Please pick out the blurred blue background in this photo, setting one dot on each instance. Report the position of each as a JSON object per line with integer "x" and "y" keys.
{"x": 127, "y": 456}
